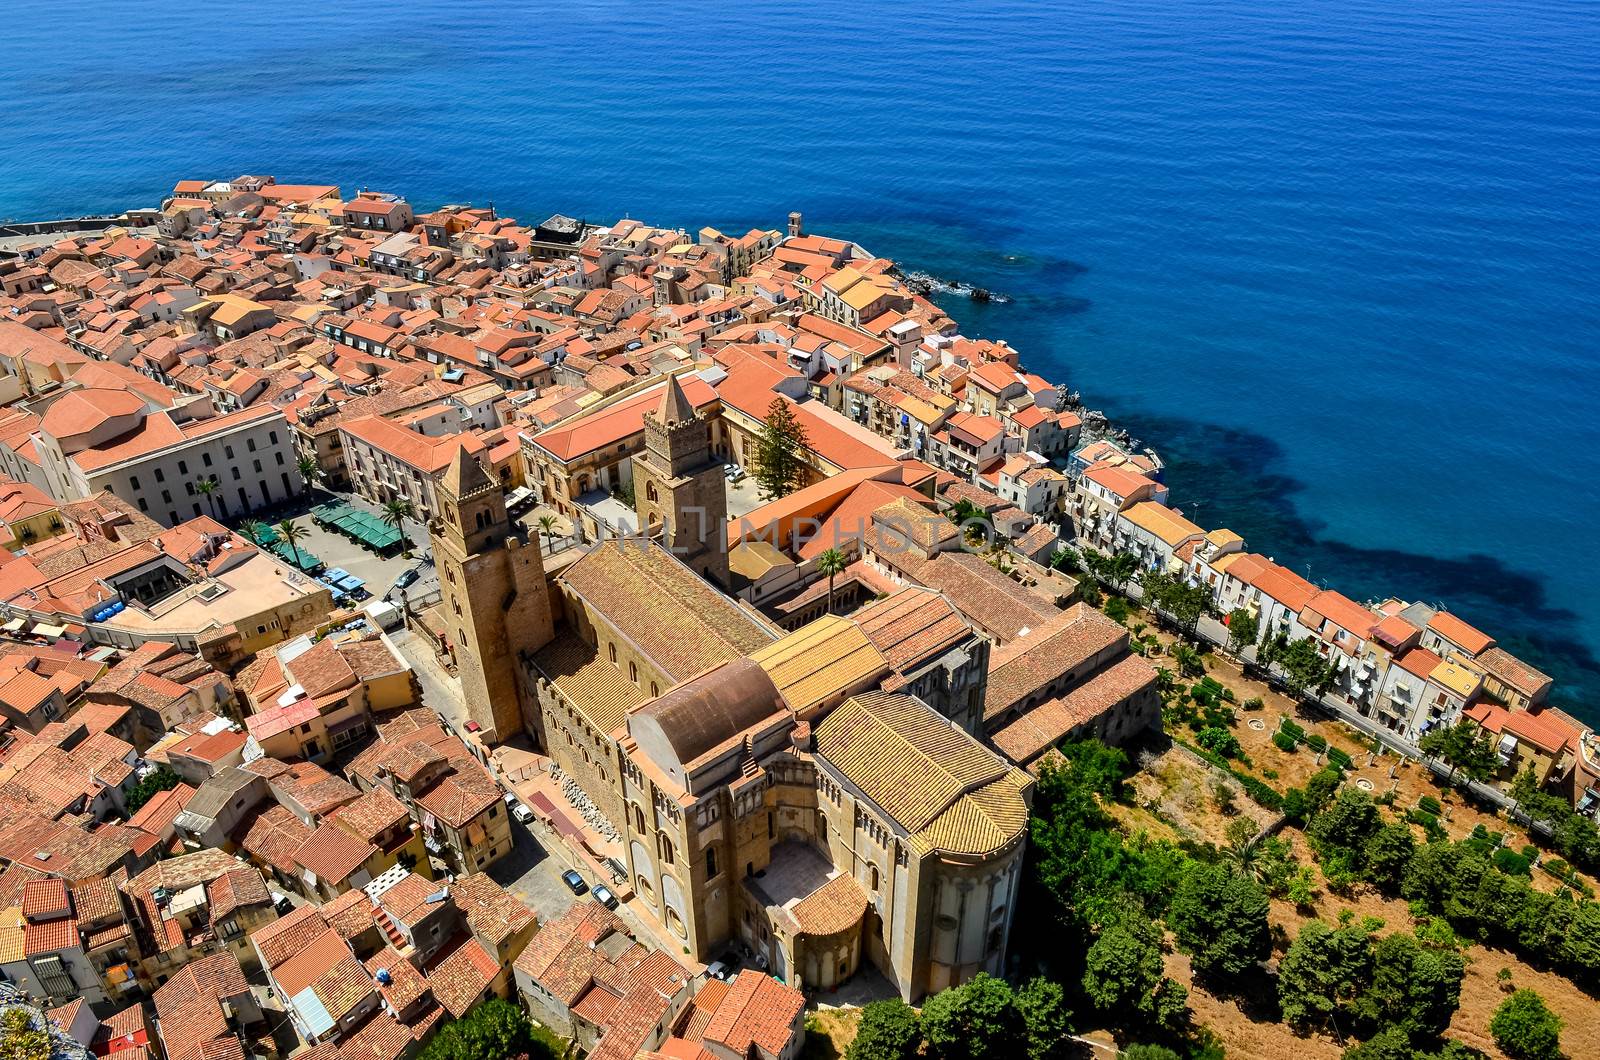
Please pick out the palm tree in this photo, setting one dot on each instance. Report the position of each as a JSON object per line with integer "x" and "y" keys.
{"x": 293, "y": 533}
{"x": 547, "y": 525}
{"x": 1189, "y": 661}
{"x": 310, "y": 472}
{"x": 207, "y": 488}
{"x": 831, "y": 563}
{"x": 395, "y": 513}
{"x": 255, "y": 530}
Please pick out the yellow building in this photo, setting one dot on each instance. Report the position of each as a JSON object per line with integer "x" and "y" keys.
{"x": 27, "y": 514}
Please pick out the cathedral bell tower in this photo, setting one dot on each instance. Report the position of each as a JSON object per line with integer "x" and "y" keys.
{"x": 678, "y": 486}
{"x": 496, "y": 602}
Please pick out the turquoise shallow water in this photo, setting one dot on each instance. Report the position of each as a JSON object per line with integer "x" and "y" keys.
{"x": 1336, "y": 259}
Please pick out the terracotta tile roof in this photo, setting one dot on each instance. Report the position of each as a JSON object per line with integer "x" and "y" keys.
{"x": 687, "y": 627}
{"x": 407, "y": 901}
{"x": 235, "y": 890}
{"x": 344, "y": 986}
{"x": 987, "y": 598}
{"x": 1056, "y": 648}
{"x": 493, "y": 913}
{"x": 289, "y": 935}
{"x": 1513, "y": 672}
{"x": 1045, "y": 725}
{"x": 369, "y": 816}
{"x": 273, "y": 835}
{"x": 95, "y": 901}
{"x": 912, "y": 626}
{"x": 461, "y": 978}
{"x": 332, "y": 854}
{"x": 406, "y": 985}
{"x": 460, "y": 797}
{"x": 48, "y": 936}
{"x": 614, "y": 422}
{"x": 307, "y": 965}
{"x": 427, "y": 454}
{"x": 757, "y": 1011}
{"x": 560, "y": 957}
{"x": 831, "y": 908}
{"x": 45, "y": 899}
{"x": 350, "y": 914}
{"x": 941, "y": 786}
{"x": 379, "y": 1038}
{"x": 1471, "y": 640}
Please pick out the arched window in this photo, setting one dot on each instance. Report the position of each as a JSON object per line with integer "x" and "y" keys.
{"x": 638, "y": 820}
{"x": 666, "y": 851}
{"x": 872, "y": 873}
{"x": 633, "y": 672}
{"x": 655, "y": 689}
{"x": 711, "y": 862}
{"x": 611, "y": 650}
{"x": 650, "y": 492}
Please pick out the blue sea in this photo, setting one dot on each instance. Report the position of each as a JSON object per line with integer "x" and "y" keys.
{"x": 1336, "y": 260}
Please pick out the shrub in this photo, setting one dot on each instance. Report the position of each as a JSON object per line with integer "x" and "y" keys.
{"x": 1253, "y": 703}
{"x": 1284, "y": 741}
{"x": 1339, "y": 758}
{"x": 1317, "y": 743}
{"x": 1525, "y": 1028}
{"x": 1293, "y": 729}
{"x": 1510, "y": 862}
{"x": 1219, "y": 741}
{"x": 1429, "y": 804}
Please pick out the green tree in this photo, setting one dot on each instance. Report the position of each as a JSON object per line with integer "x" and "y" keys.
{"x": 1220, "y": 919}
{"x": 1063, "y": 558}
{"x": 547, "y": 527}
{"x": 1243, "y": 628}
{"x": 979, "y": 1020}
{"x": 1218, "y": 741}
{"x": 1345, "y": 825}
{"x": 163, "y": 779}
{"x": 1387, "y": 855}
{"x": 1301, "y": 668}
{"x": 1148, "y": 1052}
{"x": 207, "y": 488}
{"x": 1463, "y": 746}
{"x": 395, "y": 513}
{"x": 1320, "y": 977}
{"x": 831, "y": 563}
{"x": 1524, "y": 1028}
{"x": 293, "y": 533}
{"x": 779, "y": 465}
{"x": 1190, "y": 663}
{"x": 1118, "y": 569}
{"x": 1045, "y": 1015}
{"x": 1122, "y": 972}
{"x": 493, "y": 1030}
{"x": 255, "y": 530}
{"x": 888, "y": 1030}
{"x": 1116, "y": 609}
{"x": 1414, "y": 987}
{"x": 310, "y": 472}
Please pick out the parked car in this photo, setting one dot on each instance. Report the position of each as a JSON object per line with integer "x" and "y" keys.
{"x": 574, "y": 882}
{"x": 408, "y": 578}
{"x": 603, "y": 895}
{"x": 522, "y": 813}
{"x": 283, "y": 905}
{"x": 719, "y": 970}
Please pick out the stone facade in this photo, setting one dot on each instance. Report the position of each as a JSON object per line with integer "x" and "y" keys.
{"x": 496, "y": 602}
{"x": 678, "y": 487}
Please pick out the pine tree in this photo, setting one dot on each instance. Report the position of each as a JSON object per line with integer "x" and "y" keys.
{"x": 778, "y": 466}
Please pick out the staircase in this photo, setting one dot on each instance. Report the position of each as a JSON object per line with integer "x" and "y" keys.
{"x": 748, "y": 765}
{"x": 396, "y": 939}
